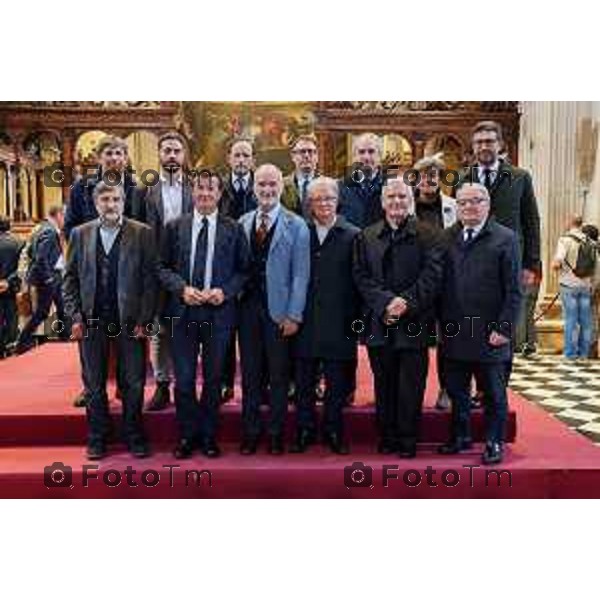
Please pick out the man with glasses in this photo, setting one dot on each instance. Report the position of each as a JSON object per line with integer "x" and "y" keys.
{"x": 479, "y": 306}
{"x": 305, "y": 157}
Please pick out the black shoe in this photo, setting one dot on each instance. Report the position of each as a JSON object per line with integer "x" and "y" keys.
{"x": 184, "y": 449}
{"x": 528, "y": 350}
{"x": 210, "y": 449}
{"x": 304, "y": 439}
{"x": 96, "y": 449}
{"x": 138, "y": 447}
{"x": 456, "y": 446}
{"x": 407, "y": 451}
{"x": 161, "y": 398}
{"x": 386, "y": 447}
{"x": 276, "y": 445}
{"x": 477, "y": 401}
{"x": 81, "y": 401}
{"x": 249, "y": 446}
{"x": 493, "y": 454}
{"x": 336, "y": 444}
{"x": 226, "y": 394}
{"x": 23, "y": 347}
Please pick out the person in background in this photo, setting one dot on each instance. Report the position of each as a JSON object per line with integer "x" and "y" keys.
{"x": 305, "y": 156}
{"x": 593, "y": 234}
{"x": 10, "y": 283}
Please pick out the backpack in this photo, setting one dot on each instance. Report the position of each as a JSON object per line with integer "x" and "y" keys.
{"x": 587, "y": 256}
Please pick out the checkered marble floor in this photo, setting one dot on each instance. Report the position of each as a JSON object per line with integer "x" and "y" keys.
{"x": 568, "y": 390}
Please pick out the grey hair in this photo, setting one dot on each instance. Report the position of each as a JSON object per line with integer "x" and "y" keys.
{"x": 372, "y": 137}
{"x": 431, "y": 162}
{"x": 102, "y": 187}
{"x": 395, "y": 180}
{"x": 475, "y": 186}
{"x": 332, "y": 184}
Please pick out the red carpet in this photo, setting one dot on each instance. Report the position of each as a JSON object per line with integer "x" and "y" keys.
{"x": 39, "y": 426}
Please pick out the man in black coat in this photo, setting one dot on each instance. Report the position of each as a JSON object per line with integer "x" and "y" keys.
{"x": 398, "y": 271}
{"x": 360, "y": 189}
{"x": 325, "y": 343}
{"x": 10, "y": 283}
{"x": 110, "y": 291}
{"x": 168, "y": 199}
{"x": 480, "y": 300}
{"x": 45, "y": 273}
{"x": 205, "y": 261}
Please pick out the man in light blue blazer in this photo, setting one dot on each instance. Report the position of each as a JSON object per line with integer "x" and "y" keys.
{"x": 272, "y": 306}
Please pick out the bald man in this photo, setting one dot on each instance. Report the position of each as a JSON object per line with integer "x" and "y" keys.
{"x": 272, "y": 307}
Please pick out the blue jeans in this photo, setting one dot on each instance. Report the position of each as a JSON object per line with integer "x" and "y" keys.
{"x": 577, "y": 312}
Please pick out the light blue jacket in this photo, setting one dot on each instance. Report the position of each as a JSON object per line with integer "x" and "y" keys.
{"x": 288, "y": 265}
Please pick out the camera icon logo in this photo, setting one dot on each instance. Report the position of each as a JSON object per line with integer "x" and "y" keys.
{"x": 58, "y": 175}
{"x": 58, "y": 475}
{"x": 358, "y": 475}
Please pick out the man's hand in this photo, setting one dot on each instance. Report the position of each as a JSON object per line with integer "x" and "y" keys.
{"x": 193, "y": 296}
{"x": 216, "y": 297}
{"x": 138, "y": 332}
{"x": 288, "y": 327}
{"x": 396, "y": 308}
{"x": 497, "y": 339}
{"x": 528, "y": 277}
{"x": 77, "y": 331}
{"x": 3, "y": 286}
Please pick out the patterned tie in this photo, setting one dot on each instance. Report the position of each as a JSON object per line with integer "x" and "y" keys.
{"x": 201, "y": 253}
{"x": 263, "y": 229}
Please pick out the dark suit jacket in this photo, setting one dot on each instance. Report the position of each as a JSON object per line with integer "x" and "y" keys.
{"x": 231, "y": 205}
{"x": 137, "y": 280}
{"x": 81, "y": 207}
{"x": 231, "y": 266}
{"x": 290, "y": 197}
{"x": 46, "y": 249}
{"x": 418, "y": 280}
{"x": 514, "y": 205}
{"x": 332, "y": 301}
{"x": 360, "y": 204}
{"x": 10, "y": 251}
{"x": 481, "y": 280}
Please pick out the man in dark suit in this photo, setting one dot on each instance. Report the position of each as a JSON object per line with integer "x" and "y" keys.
{"x": 325, "y": 343}
{"x": 398, "y": 271}
{"x": 272, "y": 306}
{"x": 360, "y": 189}
{"x": 237, "y": 199}
{"x": 305, "y": 156}
{"x": 10, "y": 283}
{"x": 164, "y": 202}
{"x": 480, "y": 300}
{"x": 204, "y": 264}
{"x": 110, "y": 295}
{"x": 45, "y": 272}
{"x": 113, "y": 159}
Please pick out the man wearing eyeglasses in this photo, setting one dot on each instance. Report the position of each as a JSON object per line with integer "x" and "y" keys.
{"x": 480, "y": 301}
{"x": 305, "y": 157}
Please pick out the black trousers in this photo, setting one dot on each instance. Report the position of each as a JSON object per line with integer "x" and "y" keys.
{"x": 228, "y": 378}
{"x": 95, "y": 350}
{"x": 194, "y": 335}
{"x": 263, "y": 348}
{"x": 400, "y": 378}
{"x": 493, "y": 380}
{"x": 8, "y": 320}
{"x": 46, "y": 296}
{"x": 336, "y": 378}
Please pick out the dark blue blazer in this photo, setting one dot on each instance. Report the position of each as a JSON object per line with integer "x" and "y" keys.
{"x": 46, "y": 250}
{"x": 481, "y": 292}
{"x": 231, "y": 267}
{"x": 360, "y": 204}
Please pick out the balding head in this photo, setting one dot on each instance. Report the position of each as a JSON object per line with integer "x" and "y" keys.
{"x": 268, "y": 186}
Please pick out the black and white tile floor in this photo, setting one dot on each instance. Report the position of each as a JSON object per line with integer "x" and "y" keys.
{"x": 568, "y": 390}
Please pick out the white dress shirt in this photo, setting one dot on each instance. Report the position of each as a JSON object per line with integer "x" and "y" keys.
{"x": 476, "y": 231}
{"x": 210, "y": 251}
{"x": 172, "y": 196}
{"x": 493, "y": 172}
{"x": 323, "y": 230}
{"x": 108, "y": 235}
{"x": 235, "y": 181}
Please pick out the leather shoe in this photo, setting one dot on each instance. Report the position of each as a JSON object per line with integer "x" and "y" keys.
{"x": 210, "y": 449}
{"x": 138, "y": 447}
{"x": 249, "y": 446}
{"x": 456, "y": 446}
{"x": 96, "y": 449}
{"x": 336, "y": 444}
{"x": 226, "y": 394}
{"x": 304, "y": 439}
{"x": 276, "y": 445}
{"x": 386, "y": 447}
{"x": 407, "y": 451}
{"x": 184, "y": 449}
{"x": 81, "y": 401}
{"x": 161, "y": 398}
{"x": 493, "y": 453}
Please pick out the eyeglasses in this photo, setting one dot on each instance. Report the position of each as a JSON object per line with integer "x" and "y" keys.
{"x": 470, "y": 201}
{"x": 325, "y": 200}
